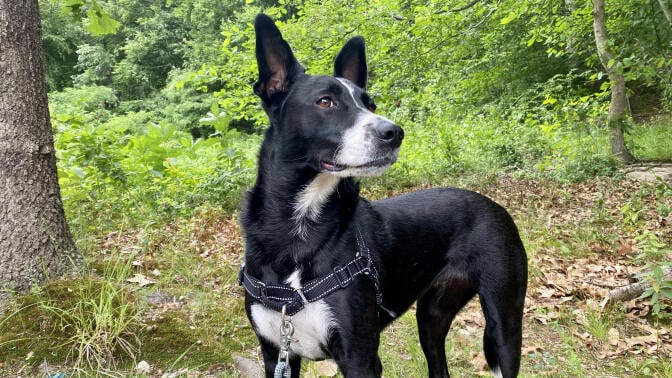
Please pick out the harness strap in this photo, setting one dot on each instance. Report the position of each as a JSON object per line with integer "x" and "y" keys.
{"x": 276, "y": 296}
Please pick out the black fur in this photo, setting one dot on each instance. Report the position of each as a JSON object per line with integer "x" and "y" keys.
{"x": 438, "y": 247}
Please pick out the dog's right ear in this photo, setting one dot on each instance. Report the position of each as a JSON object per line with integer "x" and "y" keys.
{"x": 351, "y": 62}
{"x": 277, "y": 65}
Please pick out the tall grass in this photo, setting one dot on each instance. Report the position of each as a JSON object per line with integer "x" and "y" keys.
{"x": 652, "y": 140}
{"x": 89, "y": 322}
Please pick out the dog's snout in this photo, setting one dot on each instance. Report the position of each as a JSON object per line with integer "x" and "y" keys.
{"x": 389, "y": 132}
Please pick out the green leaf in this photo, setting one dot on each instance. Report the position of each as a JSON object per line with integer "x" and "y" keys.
{"x": 647, "y": 293}
{"x": 100, "y": 22}
{"x": 79, "y": 172}
{"x": 73, "y": 8}
{"x": 510, "y": 17}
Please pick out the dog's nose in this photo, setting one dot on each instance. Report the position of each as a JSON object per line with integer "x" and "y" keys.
{"x": 389, "y": 133}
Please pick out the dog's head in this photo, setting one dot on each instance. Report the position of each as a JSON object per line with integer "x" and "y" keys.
{"x": 328, "y": 123}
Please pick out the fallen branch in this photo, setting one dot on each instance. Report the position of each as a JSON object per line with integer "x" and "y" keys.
{"x": 631, "y": 291}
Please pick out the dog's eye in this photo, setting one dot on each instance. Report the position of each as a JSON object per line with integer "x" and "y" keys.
{"x": 326, "y": 102}
{"x": 372, "y": 107}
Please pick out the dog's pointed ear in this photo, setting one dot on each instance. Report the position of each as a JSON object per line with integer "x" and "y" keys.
{"x": 351, "y": 62}
{"x": 277, "y": 65}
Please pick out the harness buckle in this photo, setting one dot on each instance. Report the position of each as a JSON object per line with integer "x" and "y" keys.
{"x": 299, "y": 291}
{"x": 343, "y": 282}
{"x": 263, "y": 296}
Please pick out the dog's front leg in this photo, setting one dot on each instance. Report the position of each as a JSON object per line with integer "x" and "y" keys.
{"x": 270, "y": 354}
{"x": 358, "y": 359}
{"x": 354, "y": 344}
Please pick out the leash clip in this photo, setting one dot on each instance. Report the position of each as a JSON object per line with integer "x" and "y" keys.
{"x": 282, "y": 369}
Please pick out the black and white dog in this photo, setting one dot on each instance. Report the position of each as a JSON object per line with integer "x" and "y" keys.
{"x": 340, "y": 267}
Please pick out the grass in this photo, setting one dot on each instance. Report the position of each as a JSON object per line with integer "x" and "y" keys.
{"x": 653, "y": 140}
{"x": 102, "y": 324}
{"x": 188, "y": 318}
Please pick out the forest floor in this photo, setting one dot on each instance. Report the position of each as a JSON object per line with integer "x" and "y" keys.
{"x": 583, "y": 240}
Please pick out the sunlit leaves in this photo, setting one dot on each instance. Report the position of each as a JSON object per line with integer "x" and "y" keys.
{"x": 98, "y": 20}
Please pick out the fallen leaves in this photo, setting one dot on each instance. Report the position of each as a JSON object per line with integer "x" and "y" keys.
{"x": 326, "y": 368}
{"x": 567, "y": 285}
{"x": 581, "y": 244}
{"x": 141, "y": 280}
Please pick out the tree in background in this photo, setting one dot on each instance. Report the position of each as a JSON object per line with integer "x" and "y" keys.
{"x": 618, "y": 105}
{"x": 35, "y": 242}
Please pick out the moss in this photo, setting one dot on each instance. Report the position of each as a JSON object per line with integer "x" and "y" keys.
{"x": 48, "y": 324}
{"x": 27, "y": 330}
{"x": 204, "y": 331}
{"x": 182, "y": 338}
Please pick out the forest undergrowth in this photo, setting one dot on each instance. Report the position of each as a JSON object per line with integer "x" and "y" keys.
{"x": 157, "y": 130}
{"x": 176, "y": 285}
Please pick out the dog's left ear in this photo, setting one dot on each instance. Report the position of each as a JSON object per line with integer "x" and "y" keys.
{"x": 351, "y": 62}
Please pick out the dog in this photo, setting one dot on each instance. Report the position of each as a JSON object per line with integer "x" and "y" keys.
{"x": 325, "y": 270}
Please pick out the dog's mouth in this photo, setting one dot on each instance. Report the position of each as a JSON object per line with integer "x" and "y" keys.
{"x": 333, "y": 167}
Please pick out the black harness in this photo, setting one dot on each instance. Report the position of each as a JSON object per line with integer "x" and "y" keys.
{"x": 276, "y": 296}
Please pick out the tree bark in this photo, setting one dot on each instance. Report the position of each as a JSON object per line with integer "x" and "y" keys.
{"x": 35, "y": 242}
{"x": 618, "y": 105}
{"x": 666, "y": 12}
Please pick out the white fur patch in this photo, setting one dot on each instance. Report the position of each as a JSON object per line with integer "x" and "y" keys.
{"x": 351, "y": 89}
{"x": 357, "y": 144}
{"x": 357, "y": 148}
{"x": 497, "y": 372}
{"x": 311, "y": 325}
{"x": 309, "y": 201}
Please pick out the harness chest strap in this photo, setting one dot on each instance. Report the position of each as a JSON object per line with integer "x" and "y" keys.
{"x": 276, "y": 296}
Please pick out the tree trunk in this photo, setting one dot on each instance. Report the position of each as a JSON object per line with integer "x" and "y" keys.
{"x": 666, "y": 12}
{"x": 35, "y": 242}
{"x": 617, "y": 108}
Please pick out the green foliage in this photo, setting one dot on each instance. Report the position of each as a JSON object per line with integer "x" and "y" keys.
{"x": 658, "y": 274}
{"x": 128, "y": 169}
{"x": 98, "y": 20}
{"x": 60, "y": 38}
{"x": 183, "y": 106}
{"x": 90, "y": 322}
{"x": 95, "y": 65}
{"x": 653, "y": 139}
{"x": 513, "y": 86}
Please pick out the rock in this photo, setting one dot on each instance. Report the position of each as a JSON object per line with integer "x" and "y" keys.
{"x": 650, "y": 172}
{"x": 160, "y": 297}
{"x": 143, "y": 367}
{"x": 247, "y": 368}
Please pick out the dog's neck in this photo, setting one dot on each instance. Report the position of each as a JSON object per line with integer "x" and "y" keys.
{"x": 294, "y": 208}
{"x": 309, "y": 202}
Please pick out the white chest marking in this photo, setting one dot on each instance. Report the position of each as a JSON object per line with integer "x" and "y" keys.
{"x": 309, "y": 201}
{"x": 311, "y": 325}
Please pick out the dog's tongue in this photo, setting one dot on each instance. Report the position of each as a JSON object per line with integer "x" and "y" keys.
{"x": 331, "y": 166}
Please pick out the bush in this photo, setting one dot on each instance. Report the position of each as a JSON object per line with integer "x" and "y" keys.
{"x": 133, "y": 170}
